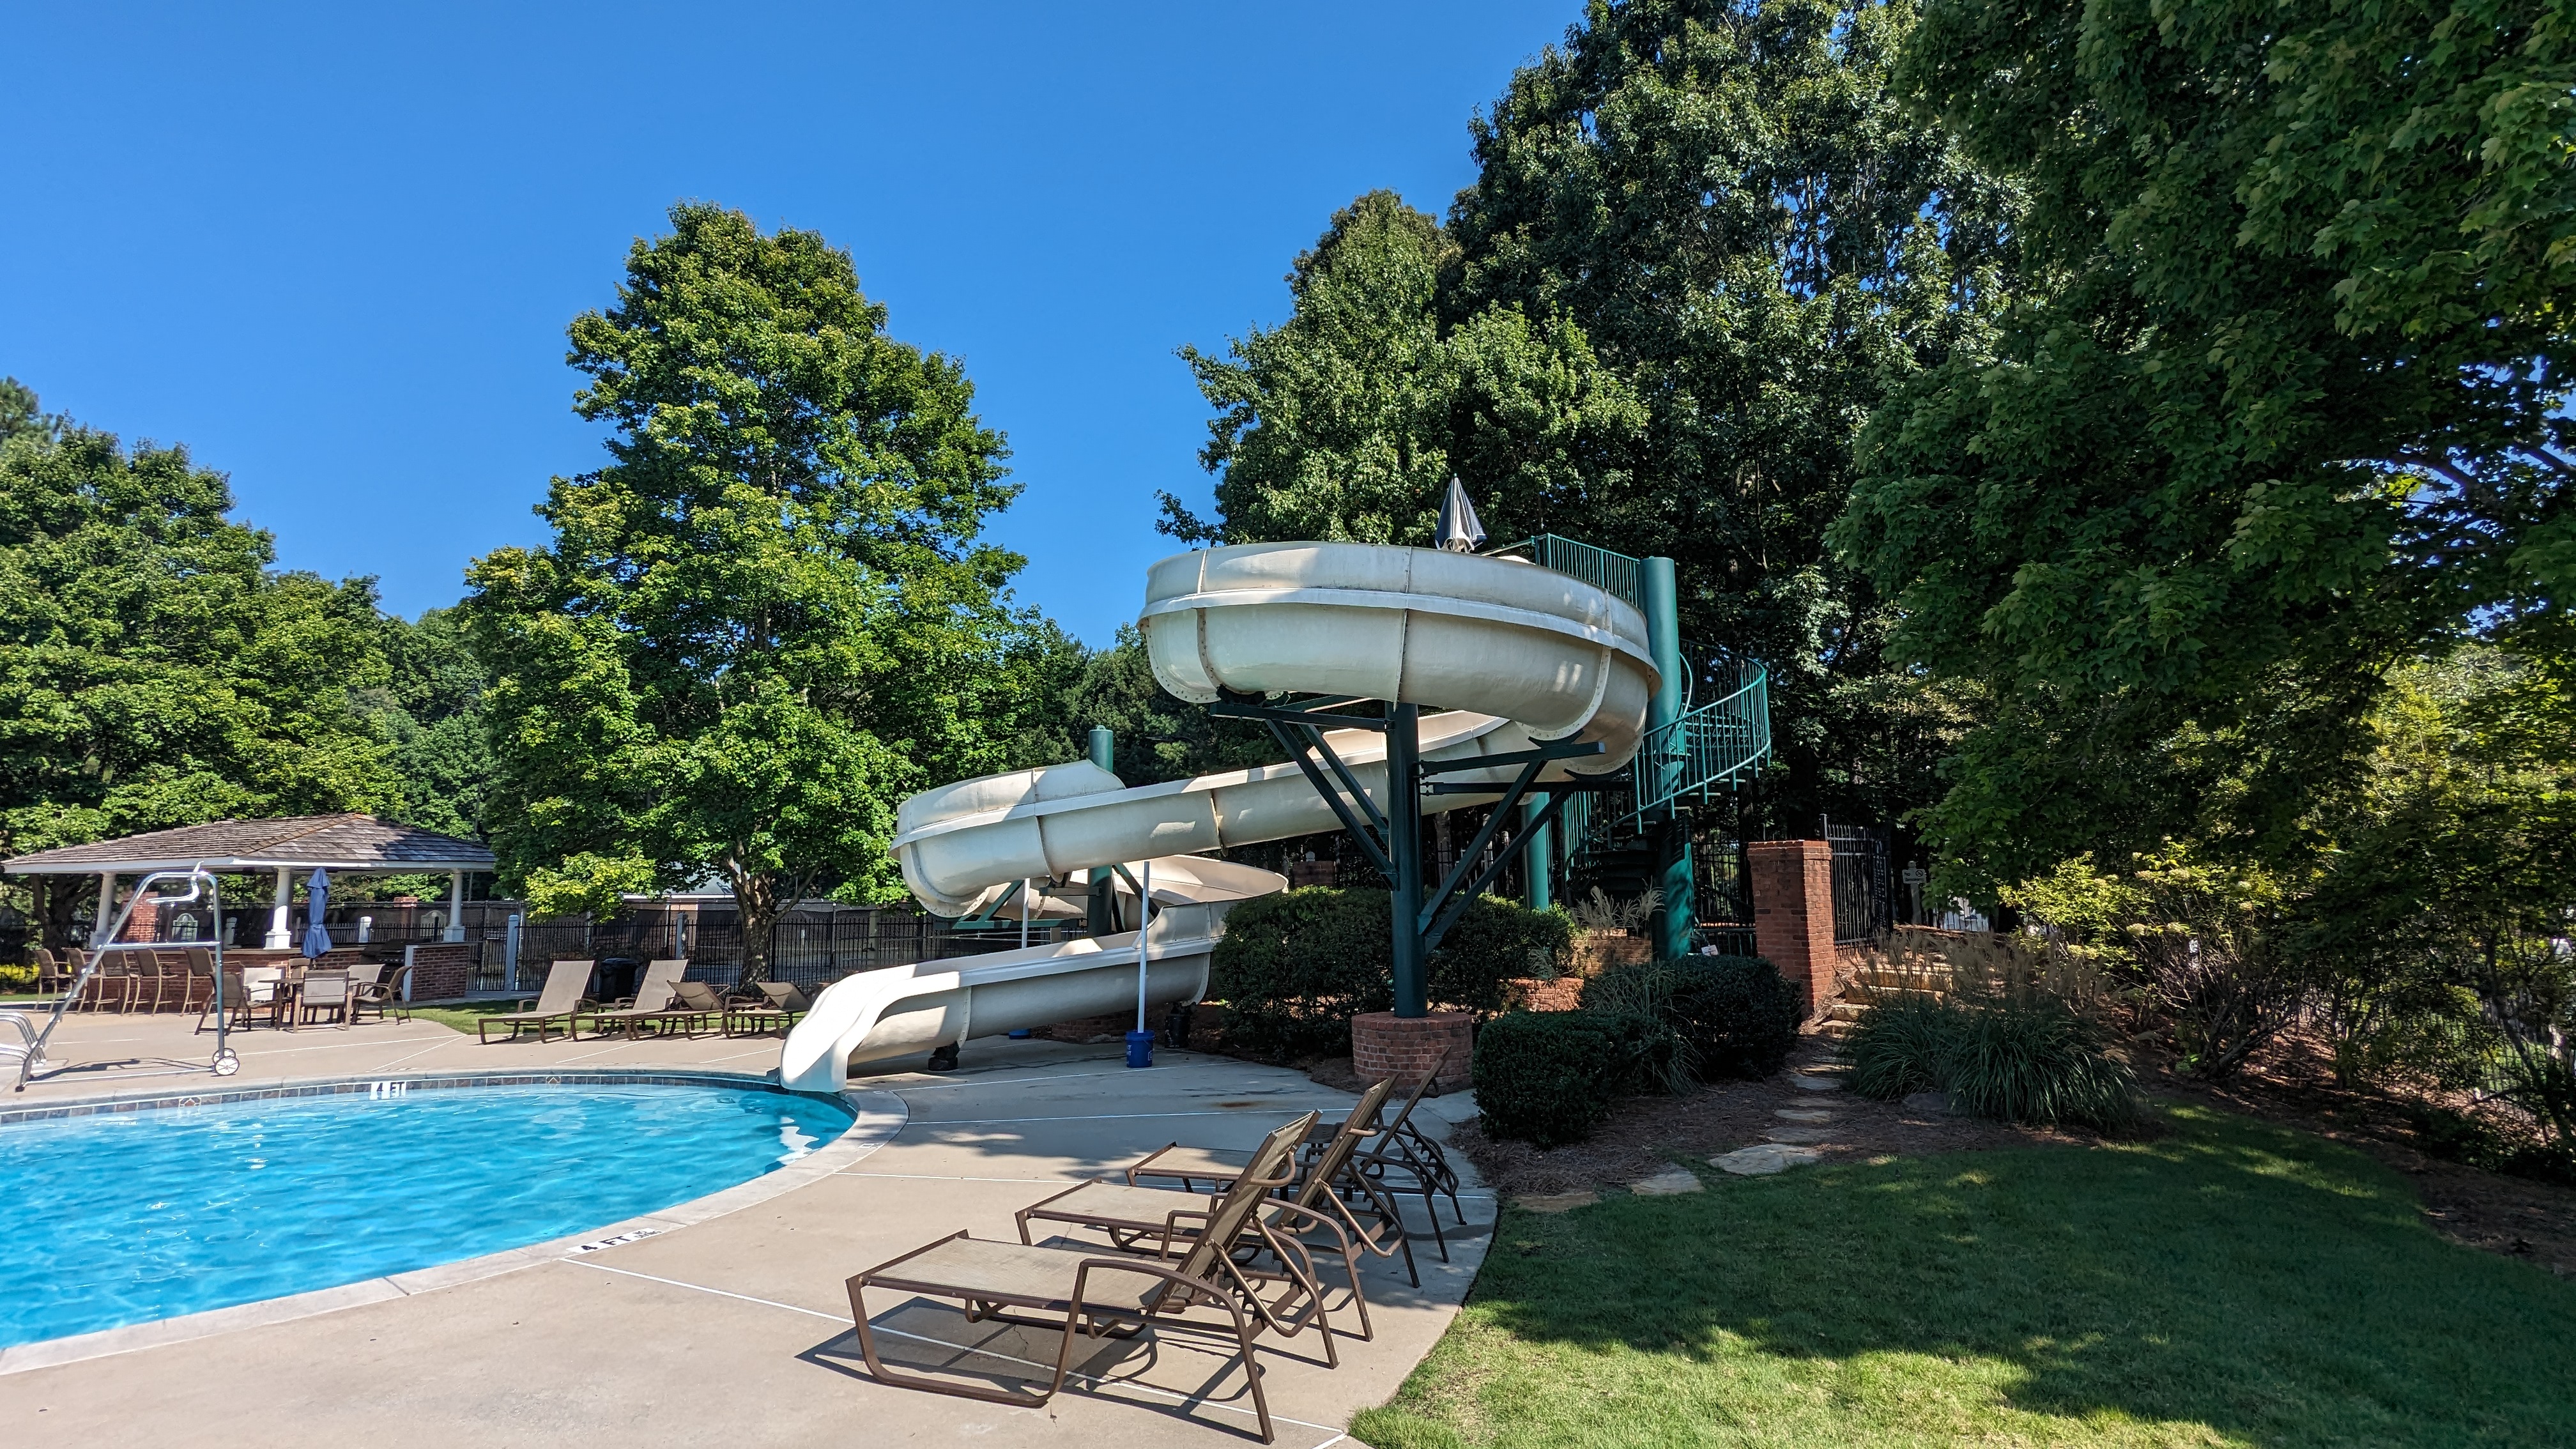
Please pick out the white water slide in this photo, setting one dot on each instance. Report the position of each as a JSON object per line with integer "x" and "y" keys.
{"x": 1515, "y": 655}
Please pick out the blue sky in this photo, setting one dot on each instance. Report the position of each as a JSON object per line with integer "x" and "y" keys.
{"x": 333, "y": 249}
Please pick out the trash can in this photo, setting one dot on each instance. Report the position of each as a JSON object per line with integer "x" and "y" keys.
{"x": 614, "y": 979}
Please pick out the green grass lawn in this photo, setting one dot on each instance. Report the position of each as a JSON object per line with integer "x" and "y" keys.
{"x": 2231, "y": 1283}
{"x": 463, "y": 1017}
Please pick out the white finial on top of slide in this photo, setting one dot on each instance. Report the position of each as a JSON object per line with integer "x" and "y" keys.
{"x": 1459, "y": 530}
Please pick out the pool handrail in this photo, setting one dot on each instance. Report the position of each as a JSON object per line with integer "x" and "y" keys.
{"x": 202, "y": 885}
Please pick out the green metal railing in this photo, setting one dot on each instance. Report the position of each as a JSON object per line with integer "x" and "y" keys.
{"x": 1710, "y": 747}
{"x": 1612, "y": 573}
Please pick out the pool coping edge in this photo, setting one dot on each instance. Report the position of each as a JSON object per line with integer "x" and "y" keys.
{"x": 877, "y": 1117}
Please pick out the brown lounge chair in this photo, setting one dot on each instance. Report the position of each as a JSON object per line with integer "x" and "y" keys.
{"x": 560, "y": 1003}
{"x": 780, "y": 1004}
{"x": 1135, "y": 1216}
{"x": 652, "y": 998}
{"x": 1099, "y": 1291}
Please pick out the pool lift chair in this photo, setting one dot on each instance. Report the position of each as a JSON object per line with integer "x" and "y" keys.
{"x": 28, "y": 1052}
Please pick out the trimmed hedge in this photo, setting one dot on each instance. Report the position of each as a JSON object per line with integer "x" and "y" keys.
{"x": 1736, "y": 1015}
{"x": 1548, "y": 1077}
{"x": 1294, "y": 968}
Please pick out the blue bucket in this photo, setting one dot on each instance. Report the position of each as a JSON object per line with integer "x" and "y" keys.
{"x": 1140, "y": 1048}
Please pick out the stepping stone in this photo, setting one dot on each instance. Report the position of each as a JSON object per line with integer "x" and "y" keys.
{"x": 1804, "y": 1114}
{"x": 1668, "y": 1183}
{"x": 1927, "y": 1104}
{"x": 1558, "y": 1202}
{"x": 1799, "y": 1134}
{"x": 1805, "y": 1083}
{"x": 1764, "y": 1159}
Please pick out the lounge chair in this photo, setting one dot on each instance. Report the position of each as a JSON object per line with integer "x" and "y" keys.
{"x": 780, "y": 1003}
{"x": 1137, "y": 1216}
{"x": 1218, "y": 1166}
{"x": 651, "y": 1003}
{"x": 693, "y": 1004}
{"x": 559, "y": 1004}
{"x": 1405, "y": 1148}
{"x": 1103, "y": 1292}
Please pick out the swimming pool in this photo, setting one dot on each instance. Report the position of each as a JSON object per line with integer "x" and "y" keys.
{"x": 126, "y": 1217}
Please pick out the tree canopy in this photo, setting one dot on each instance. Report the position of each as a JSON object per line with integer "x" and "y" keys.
{"x": 770, "y": 617}
{"x": 1703, "y": 241}
{"x": 2288, "y": 408}
{"x": 155, "y": 670}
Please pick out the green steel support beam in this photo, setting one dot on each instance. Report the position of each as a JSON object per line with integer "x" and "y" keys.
{"x": 1680, "y": 909}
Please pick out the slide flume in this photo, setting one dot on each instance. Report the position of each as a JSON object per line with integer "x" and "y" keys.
{"x": 1510, "y": 653}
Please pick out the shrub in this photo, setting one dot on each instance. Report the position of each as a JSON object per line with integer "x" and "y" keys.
{"x": 1900, "y": 1047}
{"x": 1294, "y": 968}
{"x": 1735, "y": 1016}
{"x": 2031, "y": 1059}
{"x": 1494, "y": 941}
{"x": 1547, "y": 1077}
{"x": 15, "y": 979}
{"x": 2035, "y": 1060}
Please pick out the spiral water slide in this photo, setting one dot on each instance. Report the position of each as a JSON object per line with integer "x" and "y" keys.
{"x": 1512, "y": 655}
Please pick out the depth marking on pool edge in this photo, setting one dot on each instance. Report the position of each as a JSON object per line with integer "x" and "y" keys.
{"x": 1191, "y": 1400}
{"x": 634, "y": 1235}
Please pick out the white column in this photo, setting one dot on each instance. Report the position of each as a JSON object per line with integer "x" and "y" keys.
{"x": 280, "y": 937}
{"x": 106, "y": 909}
{"x": 455, "y": 907}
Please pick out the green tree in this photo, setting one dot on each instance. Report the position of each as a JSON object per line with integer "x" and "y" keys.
{"x": 770, "y": 617}
{"x": 155, "y": 671}
{"x": 2290, "y": 409}
{"x": 429, "y": 710}
{"x": 1734, "y": 208}
{"x": 1159, "y": 737}
{"x": 1348, "y": 420}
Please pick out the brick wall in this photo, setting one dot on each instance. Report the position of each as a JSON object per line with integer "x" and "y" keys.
{"x": 441, "y": 970}
{"x": 1405, "y": 1048}
{"x": 1793, "y": 913}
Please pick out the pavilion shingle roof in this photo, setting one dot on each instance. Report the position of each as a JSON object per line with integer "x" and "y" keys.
{"x": 337, "y": 842}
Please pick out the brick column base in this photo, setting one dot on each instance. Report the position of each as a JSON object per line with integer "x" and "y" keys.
{"x": 1386, "y": 1045}
{"x": 440, "y": 970}
{"x": 1793, "y": 913}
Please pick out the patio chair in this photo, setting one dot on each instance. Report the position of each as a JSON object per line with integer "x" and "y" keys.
{"x": 1135, "y": 1216}
{"x": 652, "y": 999}
{"x": 200, "y": 987}
{"x": 49, "y": 972}
{"x": 1405, "y": 1148}
{"x": 325, "y": 991}
{"x": 779, "y": 1004}
{"x": 1218, "y": 1166}
{"x": 1098, "y": 1293}
{"x": 693, "y": 1004}
{"x": 559, "y": 1004}
{"x": 370, "y": 991}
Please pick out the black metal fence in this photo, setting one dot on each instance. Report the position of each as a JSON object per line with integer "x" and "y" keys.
{"x": 815, "y": 944}
{"x": 1864, "y": 895}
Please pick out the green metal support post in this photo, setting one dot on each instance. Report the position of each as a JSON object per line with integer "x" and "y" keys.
{"x": 1404, "y": 844}
{"x": 1101, "y": 911}
{"x": 1538, "y": 891}
{"x": 1679, "y": 912}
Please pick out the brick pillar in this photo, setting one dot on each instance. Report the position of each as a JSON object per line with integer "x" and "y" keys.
{"x": 1384, "y": 1044}
{"x": 1793, "y": 912}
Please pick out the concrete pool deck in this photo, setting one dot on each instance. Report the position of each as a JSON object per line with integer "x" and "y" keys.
{"x": 737, "y": 1327}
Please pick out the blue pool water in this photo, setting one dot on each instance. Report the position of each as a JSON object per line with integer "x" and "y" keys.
{"x": 133, "y": 1216}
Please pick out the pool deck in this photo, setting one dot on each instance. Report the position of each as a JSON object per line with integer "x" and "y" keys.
{"x": 736, "y": 1328}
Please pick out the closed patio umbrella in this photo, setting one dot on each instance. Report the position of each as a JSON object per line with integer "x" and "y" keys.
{"x": 1459, "y": 530}
{"x": 317, "y": 939}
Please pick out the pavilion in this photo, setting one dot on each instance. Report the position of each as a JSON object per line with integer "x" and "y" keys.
{"x": 341, "y": 844}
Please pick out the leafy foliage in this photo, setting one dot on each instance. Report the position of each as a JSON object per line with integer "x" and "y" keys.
{"x": 770, "y": 616}
{"x": 1294, "y": 968}
{"x": 1734, "y": 1016}
{"x": 1159, "y": 737}
{"x": 1348, "y": 420}
{"x": 1550, "y": 1077}
{"x": 155, "y": 670}
{"x": 2025, "y": 1059}
{"x": 2289, "y": 407}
